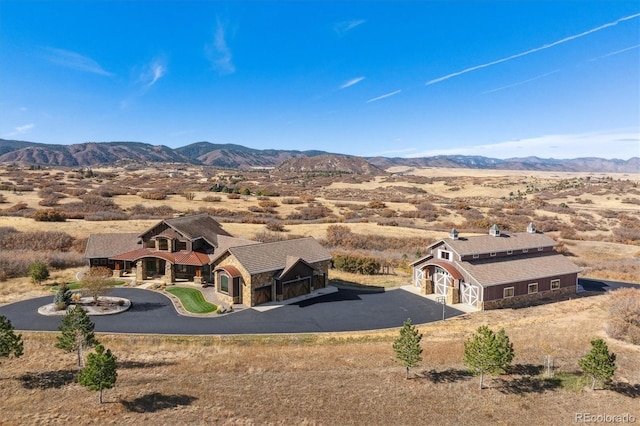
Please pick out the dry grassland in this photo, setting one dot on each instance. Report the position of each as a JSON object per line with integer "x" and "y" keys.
{"x": 327, "y": 379}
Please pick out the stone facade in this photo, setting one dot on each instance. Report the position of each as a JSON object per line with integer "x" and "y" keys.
{"x": 528, "y": 298}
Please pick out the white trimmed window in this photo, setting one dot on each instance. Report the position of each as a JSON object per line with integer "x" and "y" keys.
{"x": 555, "y": 284}
{"x": 525, "y": 250}
{"x": 509, "y": 251}
{"x": 540, "y": 248}
{"x": 476, "y": 256}
{"x": 492, "y": 254}
{"x": 507, "y": 292}
{"x": 442, "y": 254}
{"x": 533, "y": 288}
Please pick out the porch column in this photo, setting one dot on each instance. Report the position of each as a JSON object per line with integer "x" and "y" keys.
{"x": 197, "y": 279}
{"x": 169, "y": 273}
{"x": 426, "y": 286}
{"x": 140, "y": 271}
{"x": 453, "y": 292}
{"x": 117, "y": 271}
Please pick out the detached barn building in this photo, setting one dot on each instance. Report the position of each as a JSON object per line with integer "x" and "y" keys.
{"x": 495, "y": 270}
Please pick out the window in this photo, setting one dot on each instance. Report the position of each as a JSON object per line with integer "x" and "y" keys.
{"x": 444, "y": 255}
{"x": 103, "y": 261}
{"x": 555, "y": 284}
{"x": 525, "y": 250}
{"x": 509, "y": 251}
{"x": 224, "y": 283}
{"x": 476, "y": 256}
{"x": 181, "y": 245}
{"x": 507, "y": 292}
{"x": 540, "y": 248}
{"x": 533, "y": 288}
{"x": 163, "y": 244}
{"x": 492, "y": 254}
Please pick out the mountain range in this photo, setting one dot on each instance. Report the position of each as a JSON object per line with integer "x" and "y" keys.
{"x": 239, "y": 157}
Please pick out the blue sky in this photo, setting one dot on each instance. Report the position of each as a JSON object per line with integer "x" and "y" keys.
{"x": 495, "y": 78}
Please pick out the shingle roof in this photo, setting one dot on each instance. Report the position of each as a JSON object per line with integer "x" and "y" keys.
{"x": 510, "y": 269}
{"x": 107, "y": 245}
{"x": 489, "y": 244}
{"x": 225, "y": 243}
{"x": 196, "y": 226}
{"x": 266, "y": 257}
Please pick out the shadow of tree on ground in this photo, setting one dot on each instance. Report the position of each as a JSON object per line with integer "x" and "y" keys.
{"x": 526, "y": 384}
{"x": 48, "y": 379}
{"x": 525, "y": 369}
{"x": 626, "y": 389}
{"x": 153, "y": 402}
{"x": 142, "y": 364}
{"x": 450, "y": 375}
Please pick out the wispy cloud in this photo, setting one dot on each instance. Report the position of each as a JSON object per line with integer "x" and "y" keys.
{"x": 521, "y": 82}
{"x": 614, "y": 53}
{"x": 530, "y": 51}
{"x": 20, "y": 130}
{"x": 74, "y": 60}
{"x": 153, "y": 72}
{"x": 621, "y": 144}
{"x": 383, "y": 96}
{"x": 219, "y": 52}
{"x": 343, "y": 27}
{"x": 351, "y": 82}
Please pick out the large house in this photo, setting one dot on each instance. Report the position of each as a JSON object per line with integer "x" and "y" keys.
{"x": 196, "y": 248}
{"x": 495, "y": 270}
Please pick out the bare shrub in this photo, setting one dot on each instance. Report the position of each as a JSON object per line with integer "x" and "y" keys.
{"x": 108, "y": 215}
{"x": 268, "y": 203}
{"x": 292, "y": 200}
{"x": 189, "y": 196}
{"x": 275, "y": 227}
{"x": 388, "y": 213}
{"x": 211, "y": 199}
{"x": 233, "y": 196}
{"x": 39, "y": 241}
{"x": 74, "y": 192}
{"x": 356, "y": 264}
{"x": 152, "y": 195}
{"x": 376, "y": 204}
{"x": 49, "y": 216}
{"x": 627, "y": 235}
{"x": 624, "y": 315}
{"x": 138, "y": 211}
{"x": 313, "y": 212}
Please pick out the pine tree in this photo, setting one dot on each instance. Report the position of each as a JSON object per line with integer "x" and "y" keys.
{"x": 100, "y": 372}
{"x": 38, "y": 271}
{"x": 407, "y": 346}
{"x": 62, "y": 298}
{"x": 598, "y": 363}
{"x": 10, "y": 342}
{"x": 77, "y": 332}
{"x": 488, "y": 352}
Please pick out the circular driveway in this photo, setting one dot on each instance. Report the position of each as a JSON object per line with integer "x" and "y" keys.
{"x": 153, "y": 313}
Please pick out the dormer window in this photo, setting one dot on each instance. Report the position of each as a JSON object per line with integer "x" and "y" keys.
{"x": 163, "y": 244}
{"x": 443, "y": 254}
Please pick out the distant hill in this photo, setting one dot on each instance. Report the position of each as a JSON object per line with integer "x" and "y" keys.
{"x": 239, "y": 157}
{"x": 330, "y": 163}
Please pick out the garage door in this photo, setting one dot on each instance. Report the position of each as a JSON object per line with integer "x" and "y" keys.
{"x": 441, "y": 279}
{"x": 469, "y": 294}
{"x": 296, "y": 288}
{"x": 262, "y": 295}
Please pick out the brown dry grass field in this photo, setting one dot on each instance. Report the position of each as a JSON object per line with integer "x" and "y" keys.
{"x": 340, "y": 378}
{"x": 328, "y": 379}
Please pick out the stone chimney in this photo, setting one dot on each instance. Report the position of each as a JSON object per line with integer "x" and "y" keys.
{"x": 453, "y": 234}
{"x": 494, "y": 231}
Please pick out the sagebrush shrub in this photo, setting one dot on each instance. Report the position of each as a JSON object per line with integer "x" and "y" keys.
{"x": 624, "y": 315}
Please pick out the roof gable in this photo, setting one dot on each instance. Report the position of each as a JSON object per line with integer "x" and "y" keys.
{"x": 191, "y": 227}
{"x": 264, "y": 257}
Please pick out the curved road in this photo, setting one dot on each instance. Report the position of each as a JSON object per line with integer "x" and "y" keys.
{"x": 345, "y": 310}
{"x": 153, "y": 313}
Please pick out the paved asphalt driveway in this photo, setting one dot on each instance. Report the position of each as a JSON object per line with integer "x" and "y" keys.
{"x": 153, "y": 313}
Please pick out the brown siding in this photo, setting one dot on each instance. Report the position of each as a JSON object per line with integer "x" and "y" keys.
{"x": 521, "y": 288}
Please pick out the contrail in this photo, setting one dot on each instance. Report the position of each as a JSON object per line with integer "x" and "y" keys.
{"x": 384, "y": 96}
{"x": 528, "y": 52}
